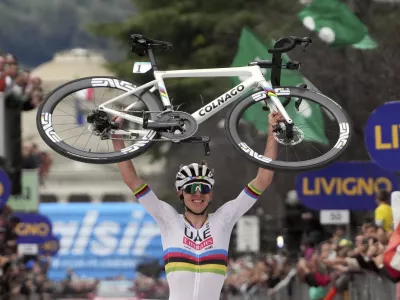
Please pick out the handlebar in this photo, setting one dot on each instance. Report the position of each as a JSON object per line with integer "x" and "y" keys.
{"x": 293, "y": 42}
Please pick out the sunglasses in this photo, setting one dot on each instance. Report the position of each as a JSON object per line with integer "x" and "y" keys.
{"x": 192, "y": 188}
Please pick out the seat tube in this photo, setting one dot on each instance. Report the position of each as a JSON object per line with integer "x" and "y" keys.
{"x": 153, "y": 59}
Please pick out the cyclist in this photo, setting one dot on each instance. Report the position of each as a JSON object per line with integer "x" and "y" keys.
{"x": 196, "y": 243}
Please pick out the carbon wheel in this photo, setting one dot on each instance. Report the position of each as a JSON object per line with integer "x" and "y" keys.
{"x": 321, "y": 133}
{"x": 62, "y": 119}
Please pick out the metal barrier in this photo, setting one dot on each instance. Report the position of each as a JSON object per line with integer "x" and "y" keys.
{"x": 362, "y": 287}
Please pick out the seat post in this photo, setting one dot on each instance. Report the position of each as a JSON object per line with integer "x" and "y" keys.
{"x": 153, "y": 60}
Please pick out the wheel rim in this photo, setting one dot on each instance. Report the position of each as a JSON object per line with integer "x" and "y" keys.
{"x": 253, "y": 145}
{"x": 66, "y": 103}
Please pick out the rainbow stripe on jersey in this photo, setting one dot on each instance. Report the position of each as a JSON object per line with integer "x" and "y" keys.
{"x": 141, "y": 191}
{"x": 178, "y": 259}
{"x": 252, "y": 191}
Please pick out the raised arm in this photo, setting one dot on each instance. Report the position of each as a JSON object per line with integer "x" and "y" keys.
{"x": 161, "y": 211}
{"x": 264, "y": 176}
{"x": 230, "y": 212}
{"x": 128, "y": 171}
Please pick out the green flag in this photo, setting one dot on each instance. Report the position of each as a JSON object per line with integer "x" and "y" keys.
{"x": 336, "y": 25}
{"x": 252, "y": 48}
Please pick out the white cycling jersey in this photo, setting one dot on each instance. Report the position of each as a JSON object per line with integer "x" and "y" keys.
{"x": 196, "y": 259}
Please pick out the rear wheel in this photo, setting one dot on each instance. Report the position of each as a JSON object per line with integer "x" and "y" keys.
{"x": 64, "y": 120}
{"x": 321, "y": 131}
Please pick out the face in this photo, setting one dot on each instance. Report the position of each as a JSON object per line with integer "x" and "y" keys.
{"x": 339, "y": 232}
{"x": 36, "y": 81}
{"x": 359, "y": 240}
{"x": 11, "y": 66}
{"x": 195, "y": 200}
{"x": 370, "y": 232}
{"x": 325, "y": 250}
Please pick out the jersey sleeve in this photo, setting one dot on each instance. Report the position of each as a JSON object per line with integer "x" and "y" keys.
{"x": 230, "y": 212}
{"x": 161, "y": 211}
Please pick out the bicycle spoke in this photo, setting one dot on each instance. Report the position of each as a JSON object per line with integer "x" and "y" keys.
{"x": 98, "y": 145}
{"x": 70, "y": 128}
{"x": 81, "y": 103}
{"x": 80, "y": 135}
{"x": 66, "y": 124}
{"x": 75, "y": 136}
{"x": 65, "y": 112}
{"x": 316, "y": 148}
{"x": 88, "y": 141}
{"x": 298, "y": 158}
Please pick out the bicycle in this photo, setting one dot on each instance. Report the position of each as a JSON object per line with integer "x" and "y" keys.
{"x": 155, "y": 119}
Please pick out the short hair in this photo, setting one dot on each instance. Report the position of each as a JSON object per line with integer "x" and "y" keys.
{"x": 383, "y": 195}
{"x": 371, "y": 225}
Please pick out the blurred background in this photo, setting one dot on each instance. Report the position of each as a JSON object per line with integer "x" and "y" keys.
{"x": 70, "y": 229}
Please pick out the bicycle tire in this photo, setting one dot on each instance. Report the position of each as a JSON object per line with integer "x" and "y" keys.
{"x": 345, "y": 124}
{"x": 44, "y": 119}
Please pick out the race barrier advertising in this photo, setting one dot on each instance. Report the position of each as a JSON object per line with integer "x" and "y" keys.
{"x": 102, "y": 239}
{"x": 32, "y": 230}
{"x": 382, "y": 134}
{"x": 5, "y": 187}
{"x": 50, "y": 246}
{"x": 344, "y": 185}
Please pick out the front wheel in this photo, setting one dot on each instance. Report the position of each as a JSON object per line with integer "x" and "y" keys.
{"x": 321, "y": 132}
{"x": 70, "y": 122}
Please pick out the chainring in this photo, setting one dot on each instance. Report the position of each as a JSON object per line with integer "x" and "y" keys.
{"x": 188, "y": 125}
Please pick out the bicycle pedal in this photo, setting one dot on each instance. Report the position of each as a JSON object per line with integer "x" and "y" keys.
{"x": 197, "y": 139}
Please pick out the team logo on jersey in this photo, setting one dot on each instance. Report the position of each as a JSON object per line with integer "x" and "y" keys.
{"x": 197, "y": 239}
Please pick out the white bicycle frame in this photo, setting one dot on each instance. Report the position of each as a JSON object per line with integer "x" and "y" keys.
{"x": 256, "y": 78}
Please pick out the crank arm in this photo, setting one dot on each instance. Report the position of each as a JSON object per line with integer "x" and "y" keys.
{"x": 200, "y": 139}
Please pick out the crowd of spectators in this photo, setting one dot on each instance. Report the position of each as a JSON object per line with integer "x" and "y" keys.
{"x": 21, "y": 275}
{"x": 249, "y": 274}
{"x": 24, "y": 91}
{"x": 19, "y": 87}
{"x": 327, "y": 266}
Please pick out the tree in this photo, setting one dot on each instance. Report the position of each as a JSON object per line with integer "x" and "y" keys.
{"x": 206, "y": 35}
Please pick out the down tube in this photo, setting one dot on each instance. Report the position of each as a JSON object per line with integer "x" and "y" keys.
{"x": 216, "y": 105}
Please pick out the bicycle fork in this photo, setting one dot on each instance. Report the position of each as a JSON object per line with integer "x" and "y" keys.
{"x": 275, "y": 105}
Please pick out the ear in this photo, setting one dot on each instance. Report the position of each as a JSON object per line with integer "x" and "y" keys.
{"x": 179, "y": 193}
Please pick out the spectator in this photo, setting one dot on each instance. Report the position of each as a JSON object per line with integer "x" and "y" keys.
{"x": 294, "y": 224}
{"x": 313, "y": 230}
{"x": 383, "y": 213}
{"x": 2, "y": 64}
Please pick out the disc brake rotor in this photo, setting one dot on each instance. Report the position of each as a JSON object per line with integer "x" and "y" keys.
{"x": 281, "y": 138}
{"x": 187, "y": 125}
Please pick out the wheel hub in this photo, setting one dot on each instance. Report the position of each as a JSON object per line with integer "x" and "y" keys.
{"x": 100, "y": 121}
{"x": 281, "y": 136}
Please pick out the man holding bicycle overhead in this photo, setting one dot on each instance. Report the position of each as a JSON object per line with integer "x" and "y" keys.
{"x": 196, "y": 243}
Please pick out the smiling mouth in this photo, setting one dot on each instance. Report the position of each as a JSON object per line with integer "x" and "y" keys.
{"x": 198, "y": 201}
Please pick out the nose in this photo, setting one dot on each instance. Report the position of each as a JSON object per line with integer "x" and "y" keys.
{"x": 197, "y": 193}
